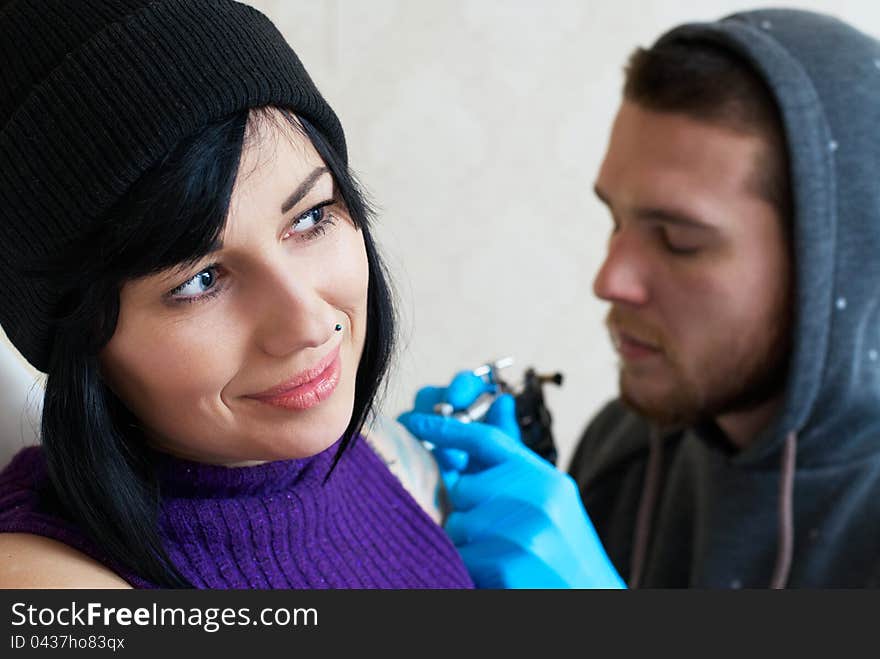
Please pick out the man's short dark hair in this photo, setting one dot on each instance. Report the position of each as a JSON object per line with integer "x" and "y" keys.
{"x": 709, "y": 83}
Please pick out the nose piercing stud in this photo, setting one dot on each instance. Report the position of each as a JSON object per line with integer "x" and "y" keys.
{"x": 338, "y": 327}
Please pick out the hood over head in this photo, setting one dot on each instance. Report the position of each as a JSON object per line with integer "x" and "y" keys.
{"x": 825, "y": 78}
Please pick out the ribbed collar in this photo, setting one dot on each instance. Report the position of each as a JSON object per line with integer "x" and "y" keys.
{"x": 183, "y": 478}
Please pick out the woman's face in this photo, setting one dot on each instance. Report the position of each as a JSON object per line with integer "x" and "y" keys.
{"x": 237, "y": 359}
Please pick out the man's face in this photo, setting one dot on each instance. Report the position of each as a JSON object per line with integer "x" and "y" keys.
{"x": 698, "y": 271}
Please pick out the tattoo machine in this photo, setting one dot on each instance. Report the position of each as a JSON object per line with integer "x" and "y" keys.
{"x": 532, "y": 414}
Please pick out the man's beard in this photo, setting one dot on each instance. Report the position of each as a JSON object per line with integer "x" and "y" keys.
{"x": 728, "y": 381}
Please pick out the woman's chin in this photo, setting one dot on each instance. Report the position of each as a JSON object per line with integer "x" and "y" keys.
{"x": 304, "y": 439}
{"x": 267, "y": 436}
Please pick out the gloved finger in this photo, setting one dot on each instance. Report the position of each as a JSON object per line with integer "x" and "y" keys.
{"x": 450, "y": 459}
{"x": 521, "y": 527}
{"x": 465, "y": 388}
{"x": 458, "y": 526}
{"x": 495, "y": 517}
{"x": 502, "y": 415}
{"x": 474, "y": 489}
{"x": 427, "y": 398}
{"x": 486, "y": 445}
{"x": 450, "y": 477}
{"x": 485, "y": 562}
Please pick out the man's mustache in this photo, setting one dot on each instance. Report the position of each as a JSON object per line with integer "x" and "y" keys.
{"x": 622, "y": 322}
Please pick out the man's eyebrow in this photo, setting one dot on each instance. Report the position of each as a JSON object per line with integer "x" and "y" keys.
{"x": 670, "y": 216}
{"x": 667, "y": 215}
{"x": 303, "y": 189}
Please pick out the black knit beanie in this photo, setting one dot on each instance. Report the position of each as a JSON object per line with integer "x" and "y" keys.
{"x": 95, "y": 92}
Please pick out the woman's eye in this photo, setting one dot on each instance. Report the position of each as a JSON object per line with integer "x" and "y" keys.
{"x": 308, "y": 220}
{"x": 198, "y": 285}
{"x": 313, "y": 223}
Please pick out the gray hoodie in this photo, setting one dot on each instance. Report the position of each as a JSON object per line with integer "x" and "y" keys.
{"x": 801, "y": 505}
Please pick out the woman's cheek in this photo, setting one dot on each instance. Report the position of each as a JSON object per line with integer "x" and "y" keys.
{"x": 344, "y": 276}
{"x": 358, "y": 277}
{"x": 167, "y": 366}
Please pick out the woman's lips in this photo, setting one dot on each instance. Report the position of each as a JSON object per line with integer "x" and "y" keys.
{"x": 308, "y": 388}
{"x": 630, "y": 348}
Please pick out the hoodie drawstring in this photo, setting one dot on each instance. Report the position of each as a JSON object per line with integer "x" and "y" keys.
{"x": 786, "y": 525}
{"x": 782, "y": 567}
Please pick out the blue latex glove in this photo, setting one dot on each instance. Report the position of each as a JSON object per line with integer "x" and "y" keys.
{"x": 462, "y": 391}
{"x": 517, "y": 521}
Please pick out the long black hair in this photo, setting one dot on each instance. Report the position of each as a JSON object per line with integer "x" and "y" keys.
{"x": 100, "y": 467}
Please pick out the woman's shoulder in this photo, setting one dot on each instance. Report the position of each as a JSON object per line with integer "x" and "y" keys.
{"x": 32, "y": 561}
{"x": 30, "y": 554}
{"x": 408, "y": 459}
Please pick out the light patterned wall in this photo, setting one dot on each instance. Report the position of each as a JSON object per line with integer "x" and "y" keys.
{"x": 478, "y": 127}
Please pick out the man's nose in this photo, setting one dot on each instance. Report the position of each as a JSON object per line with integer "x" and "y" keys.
{"x": 622, "y": 278}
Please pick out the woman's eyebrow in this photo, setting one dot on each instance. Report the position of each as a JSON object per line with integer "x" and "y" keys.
{"x": 303, "y": 189}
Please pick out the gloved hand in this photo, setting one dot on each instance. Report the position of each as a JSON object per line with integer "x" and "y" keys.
{"x": 517, "y": 521}
{"x": 462, "y": 391}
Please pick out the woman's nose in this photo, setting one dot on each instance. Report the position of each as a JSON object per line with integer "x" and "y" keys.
{"x": 294, "y": 315}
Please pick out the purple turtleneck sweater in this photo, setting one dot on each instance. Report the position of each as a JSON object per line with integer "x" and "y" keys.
{"x": 274, "y": 525}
